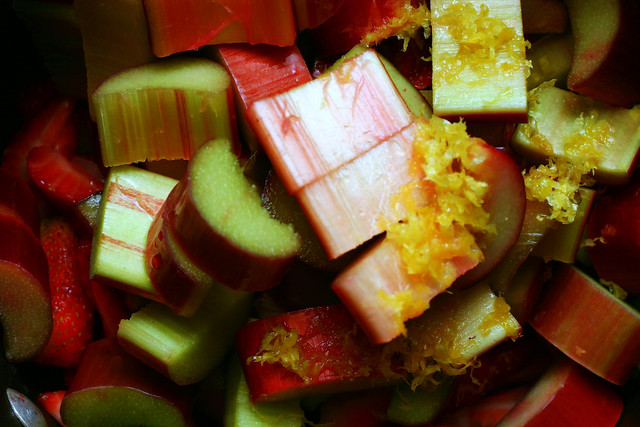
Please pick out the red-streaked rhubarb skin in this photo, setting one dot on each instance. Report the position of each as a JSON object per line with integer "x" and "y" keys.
{"x": 567, "y": 395}
{"x": 188, "y": 25}
{"x": 347, "y": 206}
{"x": 17, "y": 200}
{"x": 317, "y": 127}
{"x": 174, "y": 285}
{"x": 323, "y": 334}
{"x": 367, "y": 285}
{"x": 214, "y": 253}
{"x": 589, "y": 324}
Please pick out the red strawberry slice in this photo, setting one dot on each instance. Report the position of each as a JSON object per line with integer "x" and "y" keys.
{"x": 47, "y": 127}
{"x": 61, "y": 180}
{"x": 51, "y": 402}
{"x": 71, "y": 308}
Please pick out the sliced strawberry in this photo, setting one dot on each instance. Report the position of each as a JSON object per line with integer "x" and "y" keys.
{"x": 72, "y": 309}
{"x": 51, "y": 402}
{"x": 61, "y": 180}
{"x": 45, "y": 128}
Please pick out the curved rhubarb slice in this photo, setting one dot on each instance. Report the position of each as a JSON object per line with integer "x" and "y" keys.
{"x": 111, "y": 387}
{"x": 217, "y": 218}
{"x": 178, "y": 283}
{"x": 566, "y": 394}
{"x": 589, "y": 324}
{"x": 163, "y": 109}
{"x": 25, "y": 305}
{"x": 17, "y": 200}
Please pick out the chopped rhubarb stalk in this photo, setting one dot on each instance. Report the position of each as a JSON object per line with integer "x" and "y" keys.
{"x": 186, "y": 349}
{"x": 112, "y": 387}
{"x": 562, "y": 243}
{"x": 163, "y": 110}
{"x": 566, "y": 394}
{"x": 131, "y": 199}
{"x": 260, "y": 71}
{"x": 582, "y": 137}
{"x": 589, "y": 324}
{"x": 606, "y": 42}
{"x": 114, "y": 36}
{"x": 550, "y": 58}
{"x": 190, "y": 25}
{"x": 368, "y": 22}
{"x": 311, "y": 13}
{"x": 346, "y": 206}
{"x": 177, "y": 282}
{"x": 25, "y": 304}
{"x": 216, "y": 216}
{"x": 459, "y": 203}
{"x": 321, "y": 350}
{"x": 317, "y": 127}
{"x": 479, "y": 60}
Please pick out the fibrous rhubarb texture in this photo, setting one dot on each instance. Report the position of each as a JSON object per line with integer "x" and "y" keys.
{"x": 315, "y": 128}
{"x": 186, "y": 349}
{"x": 131, "y": 199}
{"x": 188, "y": 25}
{"x": 164, "y": 109}
{"x": 479, "y": 60}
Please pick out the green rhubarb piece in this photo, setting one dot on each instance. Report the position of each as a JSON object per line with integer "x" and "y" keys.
{"x": 241, "y": 412}
{"x": 550, "y": 59}
{"x": 95, "y": 407}
{"x": 419, "y": 406}
{"x": 479, "y": 60}
{"x": 164, "y": 109}
{"x": 55, "y": 30}
{"x": 412, "y": 96}
{"x": 186, "y": 349}
{"x": 130, "y": 200}
{"x": 562, "y": 243}
{"x": 584, "y": 132}
{"x": 114, "y": 37}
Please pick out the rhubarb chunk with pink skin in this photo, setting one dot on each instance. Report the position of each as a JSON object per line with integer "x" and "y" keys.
{"x": 566, "y": 394}
{"x": 479, "y": 60}
{"x": 605, "y": 54}
{"x": 185, "y": 26}
{"x": 258, "y": 71}
{"x": 322, "y": 350}
{"x": 164, "y": 109}
{"x": 112, "y": 387}
{"x": 317, "y": 127}
{"x": 589, "y": 324}
{"x": 458, "y": 207}
{"x": 216, "y": 216}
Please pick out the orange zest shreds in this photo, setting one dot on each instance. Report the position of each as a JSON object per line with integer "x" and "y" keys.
{"x": 444, "y": 228}
{"x": 584, "y": 143}
{"x": 281, "y": 346}
{"x": 484, "y": 43}
{"x": 406, "y": 24}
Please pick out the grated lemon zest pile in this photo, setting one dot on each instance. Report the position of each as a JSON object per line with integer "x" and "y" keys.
{"x": 281, "y": 346}
{"x": 584, "y": 143}
{"x": 484, "y": 43}
{"x": 446, "y": 226}
{"x": 405, "y": 25}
